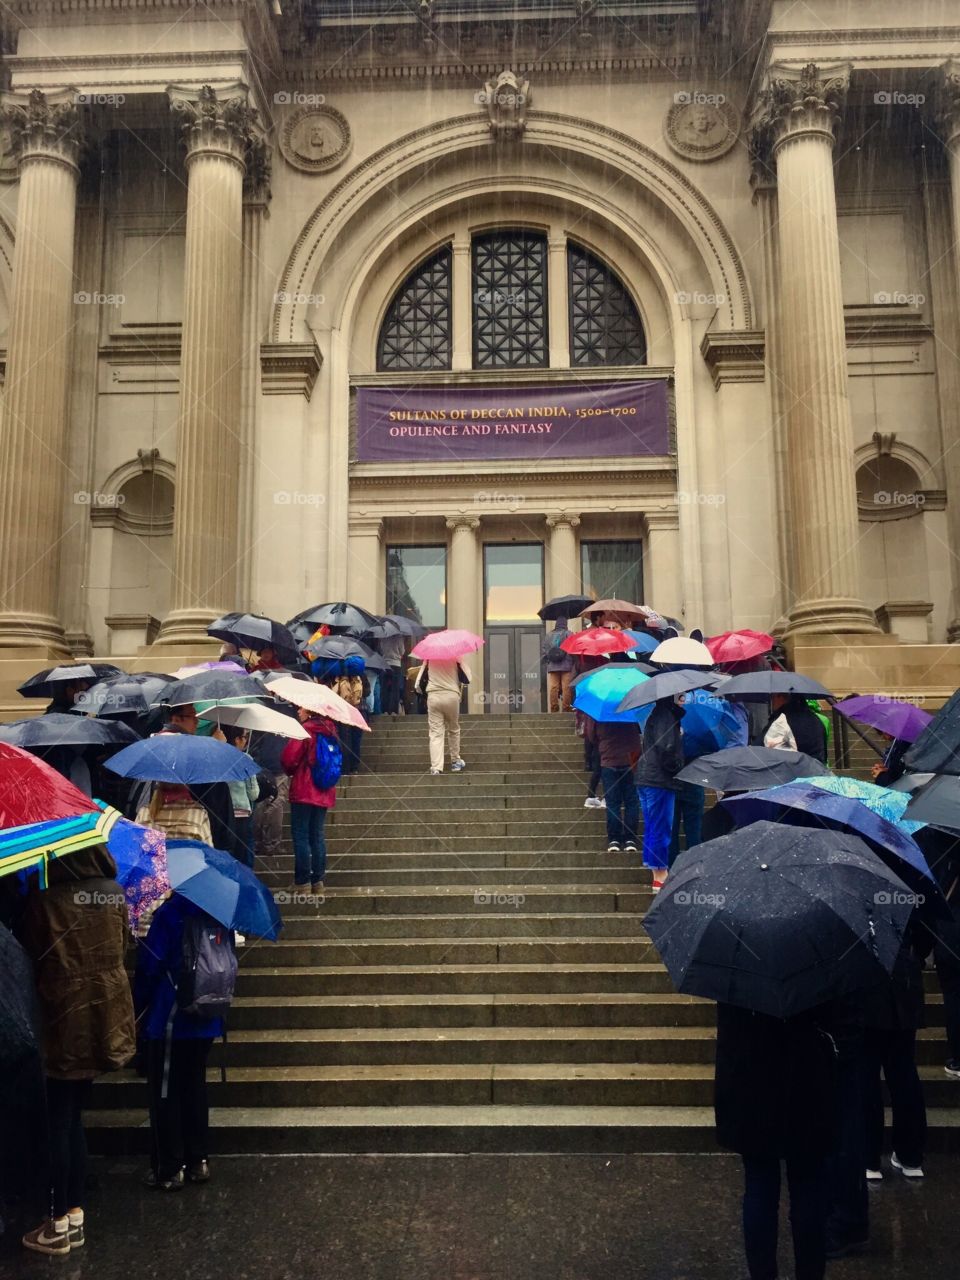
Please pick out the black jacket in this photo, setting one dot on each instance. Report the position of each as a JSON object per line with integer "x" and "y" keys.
{"x": 662, "y": 757}
{"x": 807, "y": 729}
{"x": 776, "y": 1083}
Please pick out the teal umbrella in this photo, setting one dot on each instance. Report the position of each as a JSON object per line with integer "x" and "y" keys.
{"x": 881, "y": 800}
{"x": 600, "y": 693}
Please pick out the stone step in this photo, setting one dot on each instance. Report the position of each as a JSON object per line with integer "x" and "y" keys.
{"x": 438, "y": 926}
{"x": 341, "y": 949}
{"x": 407, "y": 820}
{"x": 601, "y": 1008}
{"x": 502, "y": 800}
{"x": 582, "y": 839}
{"x": 415, "y": 780}
{"x": 523, "y": 1084}
{"x": 576, "y": 861}
{"x": 350, "y": 876}
{"x": 419, "y": 900}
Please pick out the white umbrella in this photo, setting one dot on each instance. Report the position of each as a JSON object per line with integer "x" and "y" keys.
{"x": 682, "y": 651}
{"x": 253, "y": 715}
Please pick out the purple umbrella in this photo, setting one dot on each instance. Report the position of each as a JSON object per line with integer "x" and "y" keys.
{"x": 880, "y": 711}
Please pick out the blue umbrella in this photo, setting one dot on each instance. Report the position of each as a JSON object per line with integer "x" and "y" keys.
{"x": 881, "y": 800}
{"x": 183, "y": 758}
{"x": 644, "y": 641}
{"x": 600, "y": 693}
{"x": 805, "y": 804}
{"x": 223, "y": 887}
{"x": 709, "y": 724}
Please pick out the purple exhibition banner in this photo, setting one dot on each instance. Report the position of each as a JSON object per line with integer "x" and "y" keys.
{"x": 463, "y": 423}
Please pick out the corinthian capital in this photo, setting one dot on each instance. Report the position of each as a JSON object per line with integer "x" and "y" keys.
{"x": 215, "y": 120}
{"x": 43, "y": 125}
{"x": 805, "y": 100}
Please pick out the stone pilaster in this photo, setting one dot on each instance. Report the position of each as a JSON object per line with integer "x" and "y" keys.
{"x": 563, "y": 559}
{"x": 45, "y": 130}
{"x": 558, "y": 300}
{"x": 218, "y": 130}
{"x": 461, "y": 318}
{"x": 464, "y": 602}
{"x": 663, "y": 576}
{"x": 800, "y": 109}
{"x": 365, "y": 567}
{"x": 946, "y": 306}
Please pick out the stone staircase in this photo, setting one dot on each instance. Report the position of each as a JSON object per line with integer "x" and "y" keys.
{"x": 477, "y": 978}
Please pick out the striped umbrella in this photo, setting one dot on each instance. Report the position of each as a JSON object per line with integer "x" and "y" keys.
{"x": 33, "y": 845}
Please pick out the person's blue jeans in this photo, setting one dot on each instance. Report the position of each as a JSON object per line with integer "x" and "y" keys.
{"x": 307, "y": 822}
{"x": 658, "y": 805}
{"x": 808, "y": 1215}
{"x": 623, "y": 807}
{"x": 688, "y": 809}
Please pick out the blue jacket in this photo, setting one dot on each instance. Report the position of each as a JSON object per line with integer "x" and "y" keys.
{"x": 158, "y": 967}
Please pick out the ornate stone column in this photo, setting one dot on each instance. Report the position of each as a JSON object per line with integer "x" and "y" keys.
{"x": 464, "y": 604}
{"x": 800, "y": 110}
{"x": 563, "y": 560}
{"x": 45, "y": 129}
{"x": 943, "y": 246}
{"x": 365, "y": 570}
{"x": 217, "y": 128}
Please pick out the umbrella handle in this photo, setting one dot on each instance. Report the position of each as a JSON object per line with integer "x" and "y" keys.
{"x": 859, "y": 732}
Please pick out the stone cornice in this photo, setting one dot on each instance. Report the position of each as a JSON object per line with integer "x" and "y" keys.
{"x": 631, "y": 471}
{"x": 487, "y": 377}
{"x": 289, "y": 368}
{"x": 734, "y": 357}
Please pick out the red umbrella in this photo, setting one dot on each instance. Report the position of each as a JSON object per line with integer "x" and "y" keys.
{"x": 30, "y": 791}
{"x": 739, "y": 646}
{"x": 597, "y": 640}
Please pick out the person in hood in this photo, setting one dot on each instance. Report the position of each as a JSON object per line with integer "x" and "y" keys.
{"x": 661, "y": 761}
{"x": 308, "y": 803}
{"x": 793, "y": 726}
{"x": 559, "y": 667}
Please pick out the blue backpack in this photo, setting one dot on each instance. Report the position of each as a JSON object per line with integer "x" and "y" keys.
{"x": 327, "y": 764}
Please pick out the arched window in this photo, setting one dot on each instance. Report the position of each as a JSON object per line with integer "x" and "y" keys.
{"x": 509, "y": 299}
{"x": 605, "y": 327}
{"x": 416, "y": 331}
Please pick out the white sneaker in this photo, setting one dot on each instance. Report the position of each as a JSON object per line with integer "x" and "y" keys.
{"x": 915, "y": 1174}
{"x": 240, "y": 939}
{"x": 874, "y": 1175}
{"x": 591, "y": 802}
{"x": 602, "y": 804}
{"x": 458, "y": 766}
{"x": 435, "y": 773}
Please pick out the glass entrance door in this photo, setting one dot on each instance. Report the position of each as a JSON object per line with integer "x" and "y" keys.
{"x": 513, "y": 592}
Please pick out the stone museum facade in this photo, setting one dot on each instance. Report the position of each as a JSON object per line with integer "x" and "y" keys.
{"x": 236, "y": 238}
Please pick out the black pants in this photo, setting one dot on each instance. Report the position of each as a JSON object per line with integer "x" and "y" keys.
{"x": 351, "y": 741}
{"x": 808, "y": 1215}
{"x": 179, "y": 1121}
{"x": 849, "y": 1218}
{"x": 390, "y": 689}
{"x": 895, "y": 1054}
{"x": 591, "y": 762}
{"x": 947, "y": 957}
{"x": 67, "y": 1144}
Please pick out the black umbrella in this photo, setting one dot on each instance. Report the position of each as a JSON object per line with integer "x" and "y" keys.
{"x": 912, "y": 781}
{"x": 563, "y": 607}
{"x": 768, "y": 683}
{"x": 61, "y": 730}
{"x": 209, "y": 686}
{"x": 645, "y": 667}
{"x": 779, "y": 919}
{"x": 122, "y": 695}
{"x": 749, "y": 768}
{"x": 339, "y": 614}
{"x": 254, "y": 631}
{"x": 666, "y": 685}
{"x": 49, "y": 682}
{"x": 385, "y": 629}
{"x": 937, "y": 803}
{"x": 937, "y": 750}
{"x": 336, "y": 648}
{"x": 407, "y": 626}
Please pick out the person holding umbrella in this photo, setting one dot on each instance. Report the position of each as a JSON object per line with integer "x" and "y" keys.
{"x": 442, "y": 676}
{"x": 314, "y": 768}
{"x": 660, "y": 762}
{"x": 793, "y": 726}
{"x": 559, "y": 667}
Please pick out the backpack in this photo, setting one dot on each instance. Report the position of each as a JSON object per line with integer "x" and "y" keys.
{"x": 557, "y": 638}
{"x": 208, "y": 970}
{"x": 327, "y": 764}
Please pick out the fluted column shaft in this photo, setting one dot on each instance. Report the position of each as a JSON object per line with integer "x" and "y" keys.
{"x": 563, "y": 562}
{"x": 943, "y": 312}
{"x": 804, "y": 109}
{"x": 464, "y": 607}
{"x": 32, "y": 442}
{"x": 208, "y": 446}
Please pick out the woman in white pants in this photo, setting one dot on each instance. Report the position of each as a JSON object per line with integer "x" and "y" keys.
{"x": 442, "y": 682}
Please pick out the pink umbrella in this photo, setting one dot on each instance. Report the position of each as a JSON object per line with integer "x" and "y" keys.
{"x": 739, "y": 646}
{"x": 317, "y": 698}
{"x": 446, "y": 646}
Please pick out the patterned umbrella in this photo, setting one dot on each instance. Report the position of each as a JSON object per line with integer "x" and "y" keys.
{"x": 881, "y": 800}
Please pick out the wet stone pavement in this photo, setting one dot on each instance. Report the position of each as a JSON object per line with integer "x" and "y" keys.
{"x": 476, "y": 1217}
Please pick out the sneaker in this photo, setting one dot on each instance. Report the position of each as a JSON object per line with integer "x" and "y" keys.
{"x": 75, "y": 1232}
{"x": 458, "y": 766}
{"x": 603, "y": 804}
{"x": 317, "y": 888}
{"x": 169, "y": 1184}
{"x": 199, "y": 1172}
{"x": 630, "y": 847}
{"x": 591, "y": 802}
{"x": 658, "y": 883}
{"x": 952, "y": 1068}
{"x": 240, "y": 939}
{"x": 913, "y": 1172}
{"x": 874, "y": 1175}
{"x": 434, "y": 773}
{"x": 52, "y": 1237}
{"x": 613, "y": 847}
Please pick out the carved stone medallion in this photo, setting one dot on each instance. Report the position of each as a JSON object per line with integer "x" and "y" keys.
{"x": 315, "y": 139}
{"x": 701, "y": 126}
{"x": 9, "y": 160}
